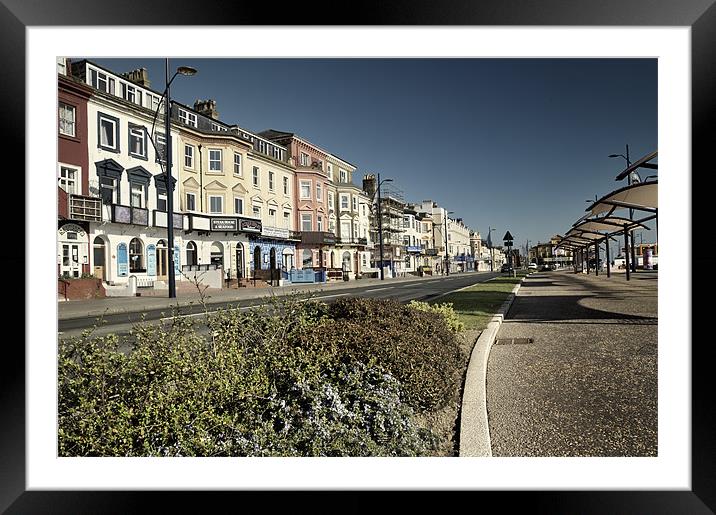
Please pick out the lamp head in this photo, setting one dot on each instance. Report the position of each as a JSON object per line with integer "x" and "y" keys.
{"x": 186, "y": 70}
{"x": 615, "y": 155}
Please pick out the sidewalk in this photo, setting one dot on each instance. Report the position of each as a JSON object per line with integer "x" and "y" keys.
{"x": 586, "y": 385}
{"x": 187, "y": 296}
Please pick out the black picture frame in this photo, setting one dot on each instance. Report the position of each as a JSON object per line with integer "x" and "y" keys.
{"x": 699, "y": 15}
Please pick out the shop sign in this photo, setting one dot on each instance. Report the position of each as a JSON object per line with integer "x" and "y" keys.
{"x": 251, "y": 226}
{"x": 274, "y": 232}
{"x": 223, "y": 224}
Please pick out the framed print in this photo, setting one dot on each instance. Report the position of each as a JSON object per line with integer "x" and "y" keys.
{"x": 32, "y": 31}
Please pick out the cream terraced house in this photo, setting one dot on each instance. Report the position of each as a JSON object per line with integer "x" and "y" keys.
{"x": 237, "y": 191}
{"x": 349, "y": 215}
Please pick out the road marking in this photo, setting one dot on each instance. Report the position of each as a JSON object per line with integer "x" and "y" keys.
{"x": 201, "y": 314}
{"x": 378, "y": 289}
{"x": 329, "y": 296}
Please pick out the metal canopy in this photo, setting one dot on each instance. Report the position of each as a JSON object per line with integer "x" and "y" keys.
{"x": 641, "y": 163}
{"x": 641, "y": 196}
{"x": 607, "y": 223}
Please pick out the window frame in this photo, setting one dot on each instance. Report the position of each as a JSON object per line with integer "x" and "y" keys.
{"x": 76, "y": 180}
{"x": 190, "y": 157}
{"x": 186, "y": 201}
{"x": 221, "y": 204}
{"x": 142, "y": 196}
{"x": 210, "y": 160}
{"x": 237, "y": 164}
{"x": 242, "y": 202}
{"x": 65, "y": 107}
{"x": 256, "y": 177}
{"x": 286, "y": 190}
{"x": 186, "y": 118}
{"x": 319, "y": 192}
{"x": 307, "y": 217}
{"x": 130, "y": 136}
{"x": 271, "y": 182}
{"x": 102, "y": 117}
{"x": 303, "y": 183}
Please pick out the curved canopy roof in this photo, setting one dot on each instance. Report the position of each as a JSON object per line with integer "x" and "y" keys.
{"x": 606, "y": 223}
{"x": 642, "y": 196}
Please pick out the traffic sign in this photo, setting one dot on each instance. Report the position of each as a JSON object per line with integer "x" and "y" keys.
{"x": 507, "y": 236}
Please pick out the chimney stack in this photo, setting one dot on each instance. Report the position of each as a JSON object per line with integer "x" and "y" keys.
{"x": 369, "y": 185}
{"x": 138, "y": 76}
{"x": 207, "y": 108}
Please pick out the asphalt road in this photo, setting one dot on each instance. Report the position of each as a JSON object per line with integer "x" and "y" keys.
{"x": 402, "y": 291}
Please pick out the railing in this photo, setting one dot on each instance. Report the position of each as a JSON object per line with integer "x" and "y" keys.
{"x": 83, "y": 207}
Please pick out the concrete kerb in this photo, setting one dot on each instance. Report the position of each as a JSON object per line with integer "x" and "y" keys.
{"x": 474, "y": 428}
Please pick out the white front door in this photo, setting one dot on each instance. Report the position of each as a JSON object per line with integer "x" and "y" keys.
{"x": 70, "y": 265}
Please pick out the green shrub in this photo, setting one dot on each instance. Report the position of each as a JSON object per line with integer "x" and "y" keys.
{"x": 244, "y": 389}
{"x": 445, "y": 310}
{"x": 414, "y": 346}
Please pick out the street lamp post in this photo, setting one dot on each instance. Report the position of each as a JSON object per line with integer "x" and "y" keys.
{"x": 380, "y": 226}
{"x": 166, "y": 97}
{"x": 631, "y": 211}
{"x": 489, "y": 242}
{"x": 447, "y": 256}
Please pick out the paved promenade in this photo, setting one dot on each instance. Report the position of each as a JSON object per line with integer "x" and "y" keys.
{"x": 587, "y": 384}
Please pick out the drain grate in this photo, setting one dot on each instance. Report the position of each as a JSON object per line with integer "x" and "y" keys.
{"x": 513, "y": 341}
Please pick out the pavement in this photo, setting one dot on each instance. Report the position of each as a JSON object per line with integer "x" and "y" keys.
{"x": 190, "y": 296}
{"x": 586, "y": 382}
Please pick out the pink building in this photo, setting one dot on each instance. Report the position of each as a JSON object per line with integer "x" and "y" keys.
{"x": 310, "y": 197}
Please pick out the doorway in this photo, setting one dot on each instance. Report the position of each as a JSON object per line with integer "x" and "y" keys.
{"x": 239, "y": 261}
{"x": 99, "y": 259}
{"x": 162, "y": 260}
{"x": 70, "y": 260}
{"x": 257, "y": 259}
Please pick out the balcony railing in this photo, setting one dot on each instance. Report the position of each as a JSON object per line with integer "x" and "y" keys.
{"x": 85, "y": 208}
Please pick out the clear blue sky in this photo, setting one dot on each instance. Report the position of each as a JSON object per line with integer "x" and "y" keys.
{"x": 514, "y": 144}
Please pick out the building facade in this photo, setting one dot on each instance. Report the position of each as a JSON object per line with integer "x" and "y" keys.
{"x": 126, "y": 152}
{"x": 311, "y": 188}
{"x": 76, "y": 208}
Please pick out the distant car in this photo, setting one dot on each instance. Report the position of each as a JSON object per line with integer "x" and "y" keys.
{"x": 506, "y": 268}
{"x": 547, "y": 267}
{"x": 532, "y": 266}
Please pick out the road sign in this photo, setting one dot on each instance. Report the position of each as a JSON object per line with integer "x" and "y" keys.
{"x": 507, "y": 236}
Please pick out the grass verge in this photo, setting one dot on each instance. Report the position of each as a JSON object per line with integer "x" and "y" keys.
{"x": 477, "y": 304}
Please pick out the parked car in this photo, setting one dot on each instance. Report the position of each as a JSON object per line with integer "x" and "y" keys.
{"x": 506, "y": 268}
{"x": 532, "y": 266}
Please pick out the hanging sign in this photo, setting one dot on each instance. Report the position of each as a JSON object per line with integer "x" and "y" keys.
{"x": 176, "y": 259}
{"x": 151, "y": 259}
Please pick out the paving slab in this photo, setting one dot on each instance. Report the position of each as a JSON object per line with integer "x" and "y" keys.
{"x": 587, "y": 383}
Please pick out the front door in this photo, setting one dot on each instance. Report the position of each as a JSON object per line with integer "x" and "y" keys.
{"x": 70, "y": 260}
{"x": 239, "y": 261}
{"x": 162, "y": 262}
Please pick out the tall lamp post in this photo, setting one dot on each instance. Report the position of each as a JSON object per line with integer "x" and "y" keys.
{"x": 380, "y": 226}
{"x": 166, "y": 97}
{"x": 631, "y": 211}
{"x": 447, "y": 256}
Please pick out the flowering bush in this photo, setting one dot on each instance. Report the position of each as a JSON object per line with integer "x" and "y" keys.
{"x": 264, "y": 383}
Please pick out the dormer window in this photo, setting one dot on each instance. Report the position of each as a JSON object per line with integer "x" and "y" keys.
{"x": 187, "y": 118}
{"x": 101, "y": 81}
